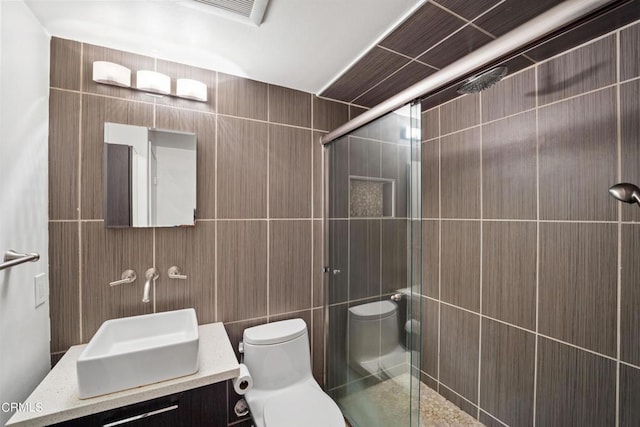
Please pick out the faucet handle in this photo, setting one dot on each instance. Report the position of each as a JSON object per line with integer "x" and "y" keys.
{"x": 176, "y": 273}
{"x": 128, "y": 276}
{"x": 152, "y": 274}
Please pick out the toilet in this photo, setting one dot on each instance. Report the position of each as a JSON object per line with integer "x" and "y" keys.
{"x": 284, "y": 392}
{"x": 373, "y": 340}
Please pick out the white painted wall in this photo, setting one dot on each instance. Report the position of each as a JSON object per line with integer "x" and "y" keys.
{"x": 24, "y": 111}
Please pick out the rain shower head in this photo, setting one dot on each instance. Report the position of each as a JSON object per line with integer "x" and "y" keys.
{"x": 626, "y": 192}
{"x": 483, "y": 80}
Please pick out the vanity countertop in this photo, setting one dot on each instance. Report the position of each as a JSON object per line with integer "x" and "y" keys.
{"x": 57, "y": 394}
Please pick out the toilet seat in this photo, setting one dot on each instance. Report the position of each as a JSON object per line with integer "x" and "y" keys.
{"x": 303, "y": 405}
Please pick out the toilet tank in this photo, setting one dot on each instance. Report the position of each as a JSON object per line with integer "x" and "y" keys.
{"x": 373, "y": 330}
{"x": 277, "y": 354}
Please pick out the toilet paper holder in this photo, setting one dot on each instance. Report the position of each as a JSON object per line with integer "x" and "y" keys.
{"x": 241, "y": 408}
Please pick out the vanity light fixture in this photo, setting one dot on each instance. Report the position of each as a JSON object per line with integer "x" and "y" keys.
{"x": 111, "y": 74}
{"x": 151, "y": 81}
{"x": 191, "y": 89}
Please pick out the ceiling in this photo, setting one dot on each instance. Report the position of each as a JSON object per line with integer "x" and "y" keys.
{"x": 301, "y": 44}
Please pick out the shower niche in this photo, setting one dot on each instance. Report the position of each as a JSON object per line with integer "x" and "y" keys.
{"x": 371, "y": 197}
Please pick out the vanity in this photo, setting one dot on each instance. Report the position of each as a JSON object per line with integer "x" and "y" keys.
{"x": 198, "y": 399}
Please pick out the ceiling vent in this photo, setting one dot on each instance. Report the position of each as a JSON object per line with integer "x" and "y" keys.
{"x": 247, "y": 10}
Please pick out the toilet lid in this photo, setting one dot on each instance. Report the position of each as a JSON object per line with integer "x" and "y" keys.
{"x": 373, "y": 310}
{"x": 302, "y": 406}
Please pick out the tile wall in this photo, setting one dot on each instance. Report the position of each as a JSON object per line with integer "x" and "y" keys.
{"x": 530, "y": 272}
{"x": 254, "y": 254}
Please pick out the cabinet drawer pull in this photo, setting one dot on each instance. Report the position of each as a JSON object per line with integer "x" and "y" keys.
{"x": 138, "y": 417}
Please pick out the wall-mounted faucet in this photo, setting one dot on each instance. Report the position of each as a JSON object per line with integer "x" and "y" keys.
{"x": 151, "y": 275}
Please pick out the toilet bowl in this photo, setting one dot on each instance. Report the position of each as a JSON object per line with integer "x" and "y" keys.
{"x": 284, "y": 392}
{"x": 373, "y": 340}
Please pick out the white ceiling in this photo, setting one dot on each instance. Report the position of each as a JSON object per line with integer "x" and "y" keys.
{"x": 302, "y": 44}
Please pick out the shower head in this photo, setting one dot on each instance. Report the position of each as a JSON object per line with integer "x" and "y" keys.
{"x": 626, "y": 192}
{"x": 483, "y": 80}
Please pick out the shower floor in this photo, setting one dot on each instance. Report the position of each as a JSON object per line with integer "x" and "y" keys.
{"x": 386, "y": 404}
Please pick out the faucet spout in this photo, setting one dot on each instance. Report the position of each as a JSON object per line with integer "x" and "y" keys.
{"x": 151, "y": 275}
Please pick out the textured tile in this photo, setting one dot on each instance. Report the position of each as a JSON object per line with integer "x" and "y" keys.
{"x": 574, "y": 388}
{"x": 241, "y": 271}
{"x": 509, "y": 168}
{"x": 242, "y": 97}
{"x": 509, "y": 272}
{"x": 629, "y": 396}
{"x": 587, "y": 68}
{"x": 460, "y": 113}
{"x": 455, "y": 47}
{"x": 459, "y": 341}
{"x": 577, "y": 286}
{"x": 405, "y": 77}
{"x": 512, "y": 14}
{"x": 394, "y": 255}
{"x": 431, "y": 124}
{"x": 460, "y": 174}
{"x": 431, "y": 179}
{"x": 510, "y": 96}
{"x": 318, "y": 264}
{"x": 374, "y": 66}
{"x": 318, "y": 150}
{"x": 364, "y": 258}
{"x": 630, "y": 135}
{"x": 289, "y": 106}
{"x": 466, "y": 9}
{"x": 135, "y": 63}
{"x": 65, "y": 64}
{"x": 317, "y": 345}
{"x": 430, "y": 326}
{"x": 630, "y": 295}
{"x": 507, "y": 370}
{"x": 64, "y": 128}
{"x": 577, "y": 156}
{"x": 181, "y": 71}
{"x": 328, "y": 115}
{"x": 430, "y": 258}
{"x": 289, "y": 266}
{"x": 289, "y": 172}
{"x": 106, "y": 253}
{"x": 629, "y": 56}
{"x": 424, "y": 28}
{"x": 193, "y": 250}
{"x": 204, "y": 126}
{"x": 64, "y": 284}
{"x": 242, "y": 168}
{"x": 97, "y": 110}
{"x": 460, "y": 264}
{"x": 338, "y": 261}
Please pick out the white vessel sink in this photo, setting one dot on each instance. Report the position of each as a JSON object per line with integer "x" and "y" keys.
{"x": 135, "y": 351}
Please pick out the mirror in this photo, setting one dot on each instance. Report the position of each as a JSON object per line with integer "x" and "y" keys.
{"x": 149, "y": 177}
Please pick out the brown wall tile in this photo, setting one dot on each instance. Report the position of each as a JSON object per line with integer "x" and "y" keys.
{"x": 394, "y": 255}
{"x": 507, "y": 371}
{"x": 509, "y": 168}
{"x": 459, "y": 341}
{"x": 182, "y": 71}
{"x": 456, "y": 46}
{"x": 191, "y": 249}
{"x": 430, "y": 336}
{"x": 290, "y": 170}
{"x": 431, "y": 124}
{"x": 241, "y": 272}
{"x": 587, "y": 68}
{"x": 512, "y": 95}
{"x": 64, "y": 294}
{"x": 242, "y": 97}
{"x": 338, "y": 260}
{"x": 461, "y": 113}
{"x": 364, "y": 258}
{"x": 578, "y": 158}
{"x": 289, "y": 266}
{"x": 629, "y": 396}
{"x": 630, "y": 135}
{"x": 630, "y": 295}
{"x": 468, "y": 10}
{"x": 460, "y": 174}
{"x": 328, "y": 115}
{"x": 318, "y": 345}
{"x": 106, "y": 253}
{"x": 461, "y": 403}
{"x": 430, "y": 258}
{"x": 574, "y": 388}
{"x": 289, "y": 106}
{"x": 317, "y": 266}
{"x": 460, "y": 264}
{"x": 509, "y": 272}
{"x": 64, "y": 134}
{"x": 336, "y": 343}
{"x": 578, "y": 284}
{"x": 317, "y": 150}
{"x": 629, "y": 56}
{"x": 365, "y": 157}
{"x": 512, "y": 14}
{"x": 242, "y": 168}
{"x": 431, "y": 179}
{"x": 65, "y": 64}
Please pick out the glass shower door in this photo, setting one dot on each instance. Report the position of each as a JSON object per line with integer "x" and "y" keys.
{"x": 374, "y": 278}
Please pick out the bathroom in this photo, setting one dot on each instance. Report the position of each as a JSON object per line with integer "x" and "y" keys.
{"x": 468, "y": 241}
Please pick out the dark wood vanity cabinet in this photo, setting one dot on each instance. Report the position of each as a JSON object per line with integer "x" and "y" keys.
{"x": 204, "y": 406}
